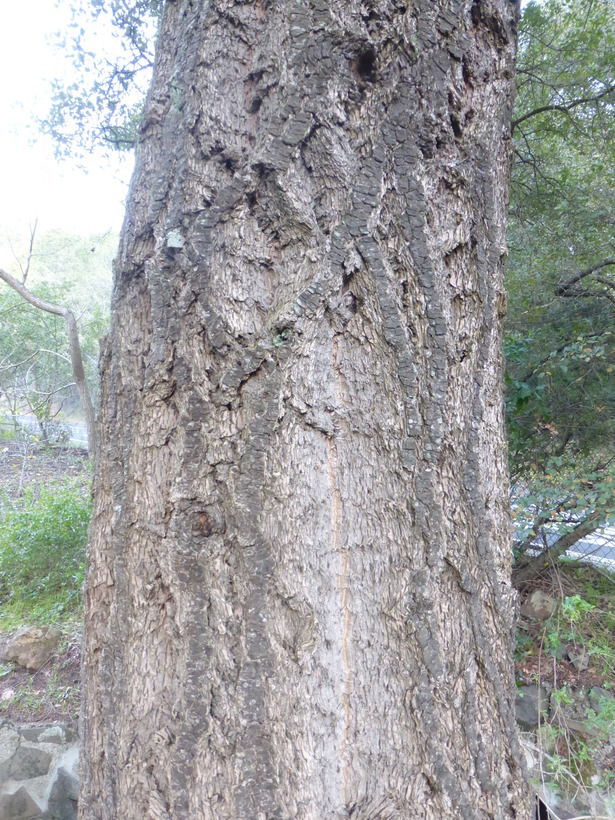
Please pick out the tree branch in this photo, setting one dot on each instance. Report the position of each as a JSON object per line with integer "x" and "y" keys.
{"x": 75, "y": 350}
{"x": 562, "y": 108}
{"x": 534, "y": 566}
{"x": 561, "y": 290}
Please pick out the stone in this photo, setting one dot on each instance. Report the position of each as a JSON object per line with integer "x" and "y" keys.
{"x": 18, "y": 806}
{"x": 539, "y": 605}
{"x": 32, "y": 646}
{"x": 529, "y": 703}
{"x": 62, "y": 802}
{"x": 546, "y": 738}
{"x": 39, "y": 771}
{"x": 43, "y": 733}
{"x": 9, "y": 743}
{"x": 28, "y": 762}
{"x": 598, "y": 696}
{"x": 579, "y": 658}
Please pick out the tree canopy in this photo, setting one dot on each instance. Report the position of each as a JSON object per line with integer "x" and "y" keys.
{"x": 111, "y": 44}
{"x": 560, "y": 343}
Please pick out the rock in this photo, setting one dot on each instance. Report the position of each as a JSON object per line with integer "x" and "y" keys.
{"x": 598, "y": 696}
{"x": 539, "y": 605}
{"x": 32, "y": 646}
{"x": 571, "y": 712}
{"x": 554, "y": 801}
{"x": 64, "y": 792}
{"x": 529, "y": 703}
{"x": 18, "y": 806}
{"x": 27, "y": 762}
{"x": 39, "y": 771}
{"x": 579, "y": 659}
{"x": 546, "y": 738}
{"x": 44, "y": 733}
{"x": 63, "y": 797}
{"x": 9, "y": 743}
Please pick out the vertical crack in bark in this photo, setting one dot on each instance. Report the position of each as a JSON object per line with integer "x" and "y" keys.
{"x": 256, "y": 787}
{"x": 342, "y": 583}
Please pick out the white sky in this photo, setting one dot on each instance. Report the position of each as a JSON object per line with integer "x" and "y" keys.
{"x": 32, "y": 182}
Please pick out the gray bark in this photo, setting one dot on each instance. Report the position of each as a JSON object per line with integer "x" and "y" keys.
{"x": 298, "y": 598}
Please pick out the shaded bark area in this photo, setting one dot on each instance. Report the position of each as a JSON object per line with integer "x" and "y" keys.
{"x": 298, "y": 599}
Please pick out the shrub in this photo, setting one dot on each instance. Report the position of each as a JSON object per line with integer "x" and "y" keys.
{"x": 42, "y": 546}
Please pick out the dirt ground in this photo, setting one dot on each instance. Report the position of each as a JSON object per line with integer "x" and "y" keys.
{"x": 51, "y": 694}
{"x": 24, "y": 464}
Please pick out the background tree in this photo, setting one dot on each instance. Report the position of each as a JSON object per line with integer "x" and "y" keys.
{"x": 35, "y": 373}
{"x": 104, "y": 104}
{"x": 298, "y": 598}
{"x": 559, "y": 341}
{"x": 62, "y": 277}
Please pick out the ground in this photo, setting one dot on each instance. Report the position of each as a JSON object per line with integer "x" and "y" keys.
{"x": 543, "y": 646}
{"x": 24, "y": 464}
{"x": 51, "y": 694}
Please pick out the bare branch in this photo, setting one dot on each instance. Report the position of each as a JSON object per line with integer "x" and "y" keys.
{"x": 23, "y": 291}
{"x": 55, "y": 390}
{"x": 30, "y": 249}
{"x": 564, "y": 108}
{"x": 74, "y": 345}
{"x": 561, "y": 290}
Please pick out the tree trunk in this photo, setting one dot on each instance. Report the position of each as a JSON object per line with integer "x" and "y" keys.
{"x": 298, "y": 598}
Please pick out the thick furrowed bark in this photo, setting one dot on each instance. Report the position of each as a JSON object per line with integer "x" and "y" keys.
{"x": 298, "y": 599}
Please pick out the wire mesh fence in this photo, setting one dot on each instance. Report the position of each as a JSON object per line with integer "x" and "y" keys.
{"x": 596, "y": 547}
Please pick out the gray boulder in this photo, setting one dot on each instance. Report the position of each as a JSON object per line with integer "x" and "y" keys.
{"x": 530, "y": 702}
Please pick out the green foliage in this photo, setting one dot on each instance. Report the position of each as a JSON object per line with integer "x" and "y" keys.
{"x": 559, "y": 339}
{"x": 604, "y": 719}
{"x": 570, "y": 757}
{"x": 573, "y": 610}
{"x": 560, "y": 493}
{"x": 583, "y": 624}
{"x": 42, "y": 550}
{"x": 35, "y": 371}
{"x": 103, "y": 104}
{"x": 567, "y": 625}
{"x": 575, "y": 726}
